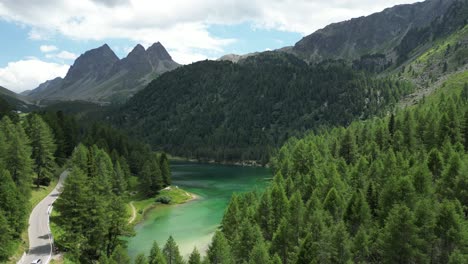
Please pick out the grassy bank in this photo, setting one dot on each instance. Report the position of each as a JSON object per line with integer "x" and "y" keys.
{"x": 144, "y": 205}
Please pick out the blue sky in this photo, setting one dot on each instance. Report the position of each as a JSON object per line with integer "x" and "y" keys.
{"x": 19, "y": 45}
{"x": 41, "y": 39}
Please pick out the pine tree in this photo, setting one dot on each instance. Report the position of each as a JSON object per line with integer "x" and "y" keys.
{"x": 348, "y": 149}
{"x": 249, "y": 236}
{"x": 120, "y": 256}
{"x": 283, "y": 241}
{"x": 171, "y": 252}
{"x": 399, "y": 239}
{"x": 116, "y": 223}
{"x": 340, "y": 244}
{"x": 194, "y": 257}
{"x": 141, "y": 259}
{"x": 119, "y": 183}
{"x": 165, "y": 169}
{"x": 219, "y": 251}
{"x": 230, "y": 222}
{"x": 72, "y": 206}
{"x": 43, "y": 149}
{"x": 264, "y": 215}
{"x": 391, "y": 125}
{"x": 357, "y": 213}
{"x": 5, "y": 237}
{"x": 435, "y": 164}
{"x": 334, "y": 204}
{"x": 13, "y": 204}
{"x": 259, "y": 254}
{"x": 17, "y": 155}
{"x": 279, "y": 203}
{"x": 146, "y": 179}
{"x": 296, "y": 216}
{"x": 156, "y": 256}
{"x": 360, "y": 246}
{"x": 449, "y": 230}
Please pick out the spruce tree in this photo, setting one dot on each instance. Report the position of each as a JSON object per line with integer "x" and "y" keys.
{"x": 194, "y": 257}
{"x": 348, "y": 148}
{"x": 340, "y": 244}
{"x": 6, "y": 238}
{"x": 13, "y": 204}
{"x": 156, "y": 256}
{"x": 141, "y": 259}
{"x": 171, "y": 252}
{"x": 120, "y": 256}
{"x": 43, "y": 149}
{"x": 219, "y": 251}
{"x": 165, "y": 169}
{"x": 399, "y": 238}
{"x": 259, "y": 254}
{"x": 230, "y": 223}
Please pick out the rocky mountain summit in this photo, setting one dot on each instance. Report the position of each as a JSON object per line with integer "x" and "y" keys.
{"x": 99, "y": 75}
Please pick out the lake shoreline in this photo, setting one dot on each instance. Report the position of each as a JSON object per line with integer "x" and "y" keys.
{"x": 242, "y": 163}
{"x": 142, "y": 211}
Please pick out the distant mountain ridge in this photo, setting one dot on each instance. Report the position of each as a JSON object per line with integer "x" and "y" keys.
{"x": 14, "y": 100}
{"x": 99, "y": 75}
{"x": 376, "y": 33}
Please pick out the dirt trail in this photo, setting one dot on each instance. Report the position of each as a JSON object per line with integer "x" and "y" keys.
{"x": 133, "y": 213}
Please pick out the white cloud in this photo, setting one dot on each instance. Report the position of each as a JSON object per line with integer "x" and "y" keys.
{"x": 48, "y": 48}
{"x": 181, "y": 25}
{"x": 28, "y": 74}
{"x": 64, "y": 55}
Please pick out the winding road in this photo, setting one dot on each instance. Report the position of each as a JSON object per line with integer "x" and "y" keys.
{"x": 40, "y": 237}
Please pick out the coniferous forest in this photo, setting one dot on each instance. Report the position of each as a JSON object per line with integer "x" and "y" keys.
{"x": 362, "y": 124}
{"x": 229, "y": 112}
{"x": 103, "y": 170}
{"x": 387, "y": 190}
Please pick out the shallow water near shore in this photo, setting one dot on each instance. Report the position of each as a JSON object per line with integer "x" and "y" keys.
{"x": 193, "y": 223}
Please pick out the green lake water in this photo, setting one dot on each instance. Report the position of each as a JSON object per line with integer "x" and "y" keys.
{"x": 193, "y": 223}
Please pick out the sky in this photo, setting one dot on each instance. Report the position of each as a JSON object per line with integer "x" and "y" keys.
{"x": 42, "y": 38}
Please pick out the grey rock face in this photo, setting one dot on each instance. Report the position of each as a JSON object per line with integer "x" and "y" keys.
{"x": 99, "y": 75}
{"x": 371, "y": 34}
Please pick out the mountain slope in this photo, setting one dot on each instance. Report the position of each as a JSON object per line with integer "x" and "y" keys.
{"x": 14, "y": 101}
{"x": 99, "y": 75}
{"x": 226, "y": 111}
{"x": 377, "y": 33}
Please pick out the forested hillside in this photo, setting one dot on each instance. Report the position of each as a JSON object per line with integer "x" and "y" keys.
{"x": 386, "y": 190}
{"x": 105, "y": 167}
{"x": 225, "y": 111}
{"x": 26, "y": 155}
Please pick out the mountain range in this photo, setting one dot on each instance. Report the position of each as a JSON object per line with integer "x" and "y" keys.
{"x": 9, "y": 99}
{"x": 377, "y": 33}
{"x": 241, "y": 107}
{"x": 99, "y": 75}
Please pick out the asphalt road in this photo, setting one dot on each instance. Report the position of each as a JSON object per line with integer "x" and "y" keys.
{"x": 40, "y": 238}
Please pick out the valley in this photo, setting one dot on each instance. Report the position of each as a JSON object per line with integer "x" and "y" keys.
{"x": 347, "y": 145}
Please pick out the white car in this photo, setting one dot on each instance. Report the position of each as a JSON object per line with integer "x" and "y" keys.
{"x": 37, "y": 261}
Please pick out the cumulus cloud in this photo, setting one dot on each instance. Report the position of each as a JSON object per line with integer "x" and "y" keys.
{"x": 181, "y": 25}
{"x": 28, "y": 74}
{"x": 48, "y": 48}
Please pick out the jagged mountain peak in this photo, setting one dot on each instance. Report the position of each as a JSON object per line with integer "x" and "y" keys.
{"x": 157, "y": 51}
{"x": 99, "y": 75}
{"x": 95, "y": 63}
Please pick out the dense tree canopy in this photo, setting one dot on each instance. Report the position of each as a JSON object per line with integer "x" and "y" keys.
{"x": 387, "y": 190}
{"x": 225, "y": 111}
